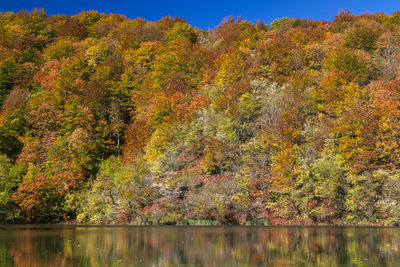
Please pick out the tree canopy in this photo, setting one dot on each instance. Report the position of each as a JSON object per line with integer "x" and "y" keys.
{"x": 105, "y": 119}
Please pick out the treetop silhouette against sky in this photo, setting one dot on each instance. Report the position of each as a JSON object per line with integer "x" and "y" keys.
{"x": 207, "y": 14}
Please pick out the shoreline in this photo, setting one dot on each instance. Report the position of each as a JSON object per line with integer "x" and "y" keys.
{"x": 198, "y": 225}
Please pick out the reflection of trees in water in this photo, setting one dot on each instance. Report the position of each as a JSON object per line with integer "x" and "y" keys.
{"x": 200, "y": 246}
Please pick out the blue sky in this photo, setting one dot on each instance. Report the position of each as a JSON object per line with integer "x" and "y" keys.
{"x": 207, "y": 13}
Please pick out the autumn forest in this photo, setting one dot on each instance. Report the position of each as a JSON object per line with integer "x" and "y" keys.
{"x": 105, "y": 119}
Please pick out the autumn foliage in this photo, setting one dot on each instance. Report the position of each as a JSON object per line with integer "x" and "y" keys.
{"x": 105, "y": 119}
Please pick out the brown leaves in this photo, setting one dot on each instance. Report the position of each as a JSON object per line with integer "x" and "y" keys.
{"x": 386, "y": 108}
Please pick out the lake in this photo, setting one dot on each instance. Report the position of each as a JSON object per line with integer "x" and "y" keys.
{"x": 68, "y": 245}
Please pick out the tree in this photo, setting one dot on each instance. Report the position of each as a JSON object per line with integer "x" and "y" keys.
{"x": 231, "y": 69}
{"x": 6, "y": 70}
{"x": 181, "y": 31}
{"x": 10, "y": 178}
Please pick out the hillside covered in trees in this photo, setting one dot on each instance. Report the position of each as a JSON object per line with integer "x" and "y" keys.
{"x": 105, "y": 119}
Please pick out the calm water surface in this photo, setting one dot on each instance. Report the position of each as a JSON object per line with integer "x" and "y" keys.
{"x": 31, "y": 245}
